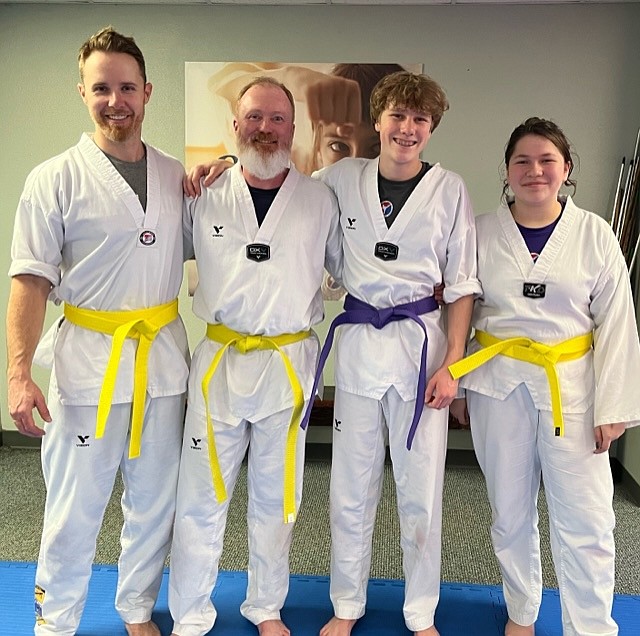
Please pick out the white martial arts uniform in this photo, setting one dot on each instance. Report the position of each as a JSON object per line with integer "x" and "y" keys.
{"x": 587, "y": 290}
{"x": 377, "y": 373}
{"x": 79, "y": 225}
{"x": 250, "y": 394}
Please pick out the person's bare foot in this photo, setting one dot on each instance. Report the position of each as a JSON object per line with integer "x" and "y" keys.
{"x": 273, "y": 628}
{"x": 142, "y": 629}
{"x": 430, "y": 631}
{"x": 513, "y": 629}
{"x": 338, "y": 627}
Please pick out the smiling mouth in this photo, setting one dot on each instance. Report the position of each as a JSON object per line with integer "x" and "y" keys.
{"x": 405, "y": 143}
{"x": 119, "y": 117}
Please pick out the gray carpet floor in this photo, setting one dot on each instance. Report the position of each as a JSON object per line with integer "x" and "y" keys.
{"x": 467, "y": 555}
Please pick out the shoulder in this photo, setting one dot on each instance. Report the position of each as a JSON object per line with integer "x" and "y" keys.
{"x": 448, "y": 177}
{"x": 48, "y": 174}
{"x": 165, "y": 161}
{"x": 590, "y": 220}
{"x": 346, "y": 166}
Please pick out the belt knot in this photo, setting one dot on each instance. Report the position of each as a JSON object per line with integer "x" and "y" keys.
{"x": 248, "y": 343}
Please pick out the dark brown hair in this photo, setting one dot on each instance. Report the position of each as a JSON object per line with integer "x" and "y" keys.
{"x": 109, "y": 40}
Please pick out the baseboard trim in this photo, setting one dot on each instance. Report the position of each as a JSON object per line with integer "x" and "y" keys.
{"x": 622, "y": 475}
{"x": 14, "y": 439}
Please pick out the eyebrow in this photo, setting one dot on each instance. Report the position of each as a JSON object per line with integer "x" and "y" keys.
{"x": 526, "y": 156}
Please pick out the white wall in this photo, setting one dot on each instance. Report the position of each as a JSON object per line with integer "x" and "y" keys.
{"x": 576, "y": 64}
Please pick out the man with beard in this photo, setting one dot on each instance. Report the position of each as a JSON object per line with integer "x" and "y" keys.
{"x": 261, "y": 236}
{"x": 98, "y": 228}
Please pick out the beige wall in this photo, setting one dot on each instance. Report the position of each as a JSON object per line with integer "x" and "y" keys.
{"x": 576, "y": 64}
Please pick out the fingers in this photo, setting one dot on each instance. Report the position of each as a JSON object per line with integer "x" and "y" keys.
{"x": 215, "y": 170}
{"x": 334, "y": 100}
{"x": 599, "y": 440}
{"x": 190, "y": 186}
{"x": 459, "y": 412}
{"x": 606, "y": 434}
{"x": 28, "y": 427}
{"x": 441, "y": 389}
{"x": 24, "y": 396}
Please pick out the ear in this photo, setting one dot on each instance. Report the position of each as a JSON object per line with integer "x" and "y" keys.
{"x": 376, "y": 126}
{"x": 81, "y": 91}
{"x": 148, "y": 87}
{"x": 235, "y": 125}
{"x": 567, "y": 169}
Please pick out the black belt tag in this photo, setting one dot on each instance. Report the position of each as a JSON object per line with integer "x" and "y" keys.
{"x": 534, "y": 290}
{"x": 386, "y": 251}
{"x": 258, "y": 252}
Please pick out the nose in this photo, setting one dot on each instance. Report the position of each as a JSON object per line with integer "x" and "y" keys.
{"x": 115, "y": 98}
{"x": 535, "y": 168}
{"x": 407, "y": 126}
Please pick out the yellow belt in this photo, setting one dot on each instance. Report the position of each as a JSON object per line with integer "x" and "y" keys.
{"x": 244, "y": 344}
{"x": 531, "y": 351}
{"x": 140, "y": 324}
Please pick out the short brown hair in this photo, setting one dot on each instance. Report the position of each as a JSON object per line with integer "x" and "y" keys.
{"x": 409, "y": 90}
{"x": 108, "y": 40}
{"x": 265, "y": 80}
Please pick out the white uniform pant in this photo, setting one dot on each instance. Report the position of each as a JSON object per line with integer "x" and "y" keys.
{"x": 201, "y": 520}
{"x": 79, "y": 473}
{"x": 359, "y": 436}
{"x": 515, "y": 444}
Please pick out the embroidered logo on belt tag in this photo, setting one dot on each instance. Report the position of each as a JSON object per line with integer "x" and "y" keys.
{"x": 258, "y": 252}
{"x": 534, "y": 290}
{"x": 386, "y": 251}
{"x": 146, "y": 238}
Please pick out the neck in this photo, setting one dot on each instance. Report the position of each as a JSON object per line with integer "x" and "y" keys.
{"x": 264, "y": 184}
{"x": 399, "y": 171}
{"x": 535, "y": 216}
{"x": 129, "y": 150}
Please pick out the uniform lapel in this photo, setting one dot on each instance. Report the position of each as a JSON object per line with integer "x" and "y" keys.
{"x": 105, "y": 172}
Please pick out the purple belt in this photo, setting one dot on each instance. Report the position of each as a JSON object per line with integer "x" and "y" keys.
{"x": 358, "y": 312}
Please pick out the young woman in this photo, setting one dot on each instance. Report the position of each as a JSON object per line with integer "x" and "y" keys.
{"x": 557, "y": 347}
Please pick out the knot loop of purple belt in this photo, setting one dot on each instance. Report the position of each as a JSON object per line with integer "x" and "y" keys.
{"x": 358, "y": 312}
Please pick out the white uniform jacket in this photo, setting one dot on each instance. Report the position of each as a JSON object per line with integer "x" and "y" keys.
{"x": 587, "y": 290}
{"x": 80, "y": 226}
{"x": 435, "y": 235}
{"x": 270, "y": 297}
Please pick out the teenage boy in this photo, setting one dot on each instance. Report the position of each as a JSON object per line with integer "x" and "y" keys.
{"x": 407, "y": 225}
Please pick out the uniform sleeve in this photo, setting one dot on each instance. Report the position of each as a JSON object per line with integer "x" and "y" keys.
{"x": 333, "y": 258}
{"x": 616, "y": 346}
{"x": 460, "y": 271}
{"x": 38, "y": 232}
{"x": 188, "y": 210}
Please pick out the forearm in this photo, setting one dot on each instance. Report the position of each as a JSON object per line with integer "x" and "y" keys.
{"x": 25, "y": 318}
{"x": 458, "y": 321}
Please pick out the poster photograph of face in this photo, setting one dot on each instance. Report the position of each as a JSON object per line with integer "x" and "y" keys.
{"x": 332, "y": 108}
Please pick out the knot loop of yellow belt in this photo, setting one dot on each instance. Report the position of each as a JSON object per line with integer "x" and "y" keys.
{"x": 528, "y": 350}
{"x": 140, "y": 324}
{"x": 244, "y": 344}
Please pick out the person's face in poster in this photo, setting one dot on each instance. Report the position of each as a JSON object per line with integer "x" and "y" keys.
{"x": 334, "y": 142}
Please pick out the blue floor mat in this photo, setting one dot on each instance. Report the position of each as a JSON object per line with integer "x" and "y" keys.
{"x": 464, "y": 609}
